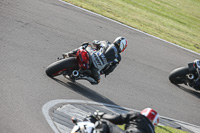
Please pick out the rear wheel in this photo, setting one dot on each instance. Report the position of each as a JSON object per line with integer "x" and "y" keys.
{"x": 178, "y": 76}
{"x": 58, "y": 67}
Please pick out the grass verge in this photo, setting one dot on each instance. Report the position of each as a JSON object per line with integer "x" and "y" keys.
{"x": 166, "y": 129}
{"x": 177, "y": 21}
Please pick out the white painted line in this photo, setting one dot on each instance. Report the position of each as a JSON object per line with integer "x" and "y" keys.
{"x": 45, "y": 111}
{"x": 129, "y": 27}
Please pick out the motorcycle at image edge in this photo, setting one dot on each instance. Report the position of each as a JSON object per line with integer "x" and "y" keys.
{"x": 186, "y": 75}
{"x": 72, "y": 68}
{"x": 90, "y": 124}
{"x": 87, "y": 125}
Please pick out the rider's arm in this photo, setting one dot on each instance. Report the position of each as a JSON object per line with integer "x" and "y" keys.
{"x": 110, "y": 69}
{"x": 103, "y": 46}
{"x": 115, "y": 119}
{"x": 100, "y": 44}
{"x": 112, "y": 66}
{"x": 73, "y": 52}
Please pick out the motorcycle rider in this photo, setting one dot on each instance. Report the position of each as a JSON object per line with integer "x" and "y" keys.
{"x": 104, "y": 58}
{"x": 143, "y": 122}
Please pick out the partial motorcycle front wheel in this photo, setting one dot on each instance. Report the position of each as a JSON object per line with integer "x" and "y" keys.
{"x": 178, "y": 76}
{"x": 57, "y": 68}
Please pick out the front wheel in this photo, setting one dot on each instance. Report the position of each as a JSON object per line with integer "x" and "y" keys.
{"x": 178, "y": 76}
{"x": 58, "y": 67}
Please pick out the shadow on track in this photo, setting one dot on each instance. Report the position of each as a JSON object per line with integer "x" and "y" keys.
{"x": 87, "y": 92}
{"x": 190, "y": 90}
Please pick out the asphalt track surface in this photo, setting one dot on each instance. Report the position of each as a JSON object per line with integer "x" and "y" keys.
{"x": 34, "y": 33}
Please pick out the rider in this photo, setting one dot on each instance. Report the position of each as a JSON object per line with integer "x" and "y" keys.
{"x": 142, "y": 122}
{"x": 104, "y": 58}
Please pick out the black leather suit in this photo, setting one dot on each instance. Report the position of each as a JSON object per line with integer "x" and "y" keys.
{"x": 134, "y": 123}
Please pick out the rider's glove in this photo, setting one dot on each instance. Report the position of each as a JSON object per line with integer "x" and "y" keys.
{"x": 65, "y": 55}
{"x": 99, "y": 114}
{"x": 106, "y": 74}
{"x": 96, "y": 44}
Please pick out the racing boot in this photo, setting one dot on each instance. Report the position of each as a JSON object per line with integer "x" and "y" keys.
{"x": 90, "y": 79}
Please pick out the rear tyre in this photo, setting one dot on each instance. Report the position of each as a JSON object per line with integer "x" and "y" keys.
{"x": 178, "y": 75}
{"x": 58, "y": 67}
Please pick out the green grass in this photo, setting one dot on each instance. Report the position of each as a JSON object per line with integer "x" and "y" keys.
{"x": 177, "y": 21}
{"x": 166, "y": 129}
{"x": 162, "y": 129}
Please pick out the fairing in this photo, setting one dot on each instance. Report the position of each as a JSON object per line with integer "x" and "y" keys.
{"x": 83, "y": 59}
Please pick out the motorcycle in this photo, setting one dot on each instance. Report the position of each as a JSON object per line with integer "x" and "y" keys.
{"x": 72, "y": 68}
{"x": 186, "y": 75}
{"x": 85, "y": 126}
{"x": 90, "y": 124}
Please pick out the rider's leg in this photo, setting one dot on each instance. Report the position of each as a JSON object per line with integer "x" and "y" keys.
{"x": 93, "y": 78}
{"x": 73, "y": 52}
{"x": 95, "y": 74}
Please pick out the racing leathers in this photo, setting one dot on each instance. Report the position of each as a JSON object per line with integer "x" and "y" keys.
{"x": 104, "y": 58}
{"x": 134, "y": 123}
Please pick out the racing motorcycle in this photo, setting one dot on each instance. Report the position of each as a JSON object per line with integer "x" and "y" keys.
{"x": 72, "y": 68}
{"x": 186, "y": 75}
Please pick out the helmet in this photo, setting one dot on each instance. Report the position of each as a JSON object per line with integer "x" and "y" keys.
{"x": 196, "y": 64}
{"x": 121, "y": 43}
{"x": 151, "y": 114}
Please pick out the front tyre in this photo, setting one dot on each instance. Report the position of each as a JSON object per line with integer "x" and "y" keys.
{"x": 178, "y": 76}
{"x": 58, "y": 67}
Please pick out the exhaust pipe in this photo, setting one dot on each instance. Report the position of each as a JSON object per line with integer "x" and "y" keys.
{"x": 75, "y": 73}
{"x": 190, "y": 76}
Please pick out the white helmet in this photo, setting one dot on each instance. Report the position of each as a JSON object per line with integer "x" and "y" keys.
{"x": 121, "y": 43}
{"x": 151, "y": 114}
